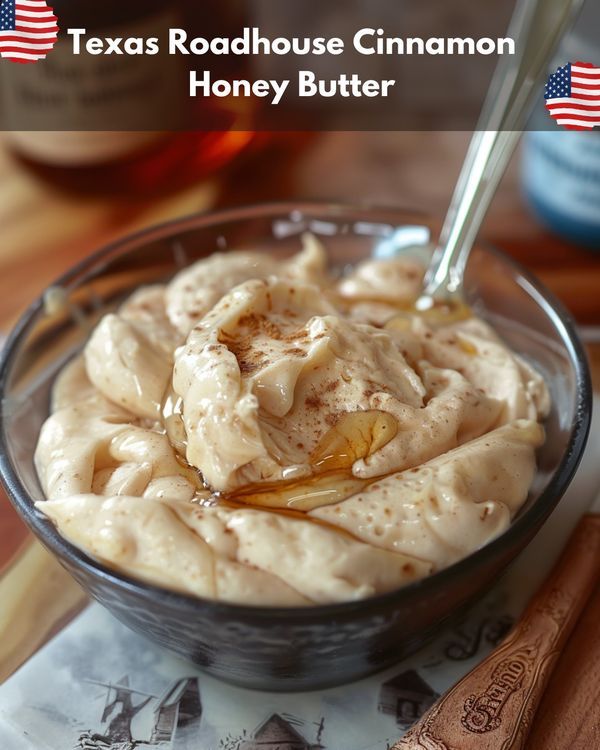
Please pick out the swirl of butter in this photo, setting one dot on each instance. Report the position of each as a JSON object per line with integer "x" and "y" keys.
{"x": 195, "y": 290}
{"x": 269, "y": 371}
{"x": 214, "y": 552}
{"x": 450, "y": 505}
{"x": 95, "y": 445}
{"x": 257, "y": 433}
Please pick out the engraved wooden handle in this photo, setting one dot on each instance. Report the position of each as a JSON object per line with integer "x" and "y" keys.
{"x": 492, "y": 707}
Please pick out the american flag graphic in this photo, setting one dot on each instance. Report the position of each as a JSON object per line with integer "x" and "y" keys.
{"x": 28, "y": 30}
{"x": 573, "y": 96}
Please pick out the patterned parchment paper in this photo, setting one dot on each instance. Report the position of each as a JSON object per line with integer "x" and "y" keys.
{"x": 99, "y": 686}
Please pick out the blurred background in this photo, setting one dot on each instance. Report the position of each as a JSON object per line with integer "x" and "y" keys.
{"x": 51, "y": 216}
{"x": 69, "y": 184}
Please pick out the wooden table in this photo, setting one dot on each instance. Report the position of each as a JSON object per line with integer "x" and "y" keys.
{"x": 45, "y": 229}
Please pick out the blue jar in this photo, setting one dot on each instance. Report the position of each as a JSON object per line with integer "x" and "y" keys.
{"x": 561, "y": 168}
{"x": 561, "y": 179}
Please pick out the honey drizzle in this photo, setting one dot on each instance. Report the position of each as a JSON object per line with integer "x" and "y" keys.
{"x": 467, "y": 347}
{"x": 171, "y": 414}
{"x": 355, "y": 436}
{"x": 438, "y": 315}
{"x": 298, "y": 515}
{"x": 302, "y": 495}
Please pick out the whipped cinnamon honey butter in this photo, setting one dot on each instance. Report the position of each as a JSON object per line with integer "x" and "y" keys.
{"x": 262, "y": 431}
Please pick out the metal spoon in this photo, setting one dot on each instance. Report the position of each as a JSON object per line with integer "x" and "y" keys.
{"x": 537, "y": 26}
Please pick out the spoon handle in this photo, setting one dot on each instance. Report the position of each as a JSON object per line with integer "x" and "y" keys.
{"x": 537, "y": 27}
{"x": 492, "y": 707}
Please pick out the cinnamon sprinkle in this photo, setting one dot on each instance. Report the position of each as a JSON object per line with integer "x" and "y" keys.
{"x": 242, "y": 346}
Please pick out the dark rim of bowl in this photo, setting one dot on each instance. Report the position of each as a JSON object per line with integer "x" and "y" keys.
{"x": 520, "y": 528}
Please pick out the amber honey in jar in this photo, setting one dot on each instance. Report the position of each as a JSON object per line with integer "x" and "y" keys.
{"x": 94, "y": 122}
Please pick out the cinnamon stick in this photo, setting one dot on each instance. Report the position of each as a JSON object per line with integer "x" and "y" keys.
{"x": 569, "y": 715}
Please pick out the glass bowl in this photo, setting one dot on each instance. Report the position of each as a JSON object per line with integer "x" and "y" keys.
{"x": 287, "y": 648}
